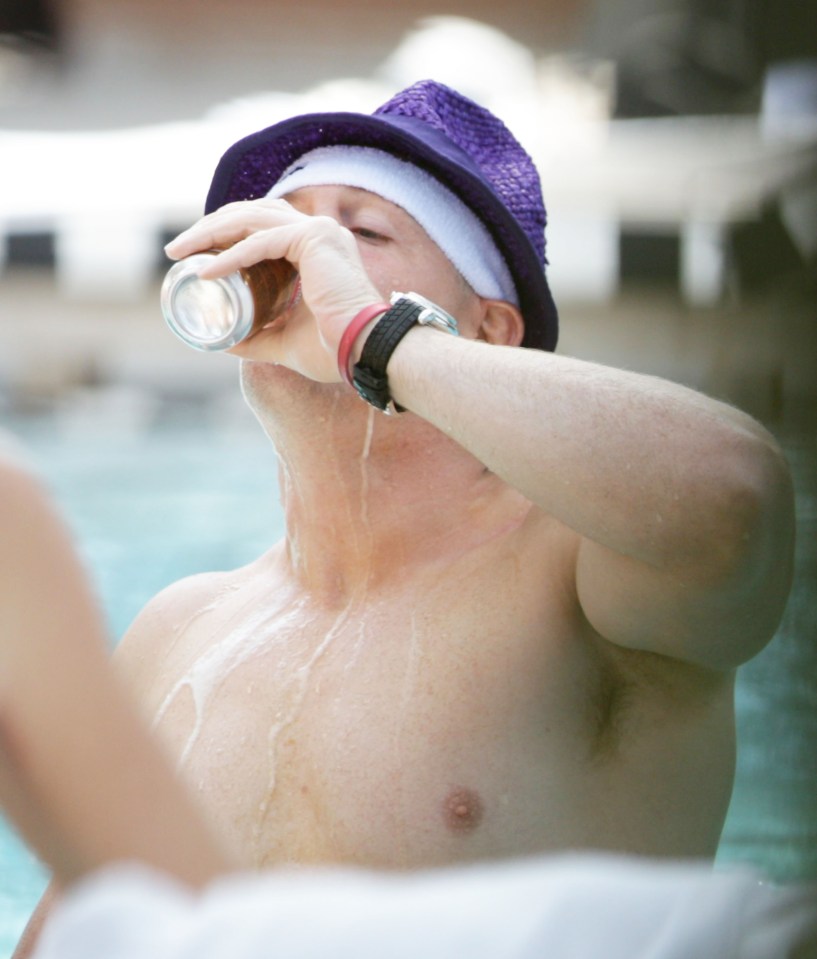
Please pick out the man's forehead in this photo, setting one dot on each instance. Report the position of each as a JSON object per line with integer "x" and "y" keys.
{"x": 348, "y": 197}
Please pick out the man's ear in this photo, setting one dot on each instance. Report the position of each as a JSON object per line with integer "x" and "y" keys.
{"x": 502, "y": 323}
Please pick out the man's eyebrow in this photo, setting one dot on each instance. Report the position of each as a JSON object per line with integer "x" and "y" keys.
{"x": 362, "y": 201}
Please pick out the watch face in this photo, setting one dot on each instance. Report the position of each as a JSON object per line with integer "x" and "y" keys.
{"x": 431, "y": 314}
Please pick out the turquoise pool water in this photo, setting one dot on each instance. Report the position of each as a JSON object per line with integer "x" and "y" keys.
{"x": 216, "y": 490}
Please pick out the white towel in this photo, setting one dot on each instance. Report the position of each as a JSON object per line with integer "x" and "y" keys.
{"x": 570, "y": 907}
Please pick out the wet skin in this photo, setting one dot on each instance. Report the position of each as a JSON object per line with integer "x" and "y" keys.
{"x": 418, "y": 724}
{"x": 411, "y": 677}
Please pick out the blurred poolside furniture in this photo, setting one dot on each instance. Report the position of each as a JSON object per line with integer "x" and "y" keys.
{"x": 107, "y": 197}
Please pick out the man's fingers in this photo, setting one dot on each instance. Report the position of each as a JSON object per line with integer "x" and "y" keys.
{"x": 267, "y": 244}
{"x": 229, "y": 224}
{"x": 334, "y": 281}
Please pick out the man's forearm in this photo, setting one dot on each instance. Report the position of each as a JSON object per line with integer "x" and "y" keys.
{"x": 640, "y": 464}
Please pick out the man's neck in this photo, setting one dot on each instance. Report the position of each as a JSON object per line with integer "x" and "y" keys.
{"x": 369, "y": 499}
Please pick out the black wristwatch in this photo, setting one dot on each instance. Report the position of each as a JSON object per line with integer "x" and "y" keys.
{"x": 407, "y": 310}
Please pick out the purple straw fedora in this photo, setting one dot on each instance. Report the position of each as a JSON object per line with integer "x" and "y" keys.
{"x": 441, "y": 131}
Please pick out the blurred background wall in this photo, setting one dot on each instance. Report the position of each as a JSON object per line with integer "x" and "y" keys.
{"x": 120, "y": 62}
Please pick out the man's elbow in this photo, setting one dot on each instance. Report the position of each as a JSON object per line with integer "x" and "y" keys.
{"x": 754, "y": 553}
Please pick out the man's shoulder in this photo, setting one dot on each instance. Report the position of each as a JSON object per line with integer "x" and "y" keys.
{"x": 164, "y": 614}
{"x": 183, "y": 595}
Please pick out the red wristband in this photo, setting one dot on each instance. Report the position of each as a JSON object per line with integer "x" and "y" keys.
{"x": 351, "y": 333}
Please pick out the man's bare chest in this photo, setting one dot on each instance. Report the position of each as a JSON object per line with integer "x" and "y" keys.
{"x": 452, "y": 718}
{"x": 392, "y": 731}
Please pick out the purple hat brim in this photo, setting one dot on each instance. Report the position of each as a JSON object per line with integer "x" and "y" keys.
{"x": 250, "y": 168}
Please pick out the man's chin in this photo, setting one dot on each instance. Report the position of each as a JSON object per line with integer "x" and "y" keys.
{"x": 270, "y": 387}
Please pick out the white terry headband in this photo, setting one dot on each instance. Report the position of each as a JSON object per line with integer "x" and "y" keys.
{"x": 455, "y": 229}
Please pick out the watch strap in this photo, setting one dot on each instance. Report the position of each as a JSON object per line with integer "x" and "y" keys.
{"x": 369, "y": 373}
{"x": 351, "y": 333}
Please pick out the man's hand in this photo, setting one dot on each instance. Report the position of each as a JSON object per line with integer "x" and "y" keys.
{"x": 334, "y": 283}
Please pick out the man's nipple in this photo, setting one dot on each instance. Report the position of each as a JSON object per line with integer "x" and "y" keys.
{"x": 462, "y": 810}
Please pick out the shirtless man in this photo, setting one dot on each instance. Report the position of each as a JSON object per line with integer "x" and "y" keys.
{"x": 503, "y": 621}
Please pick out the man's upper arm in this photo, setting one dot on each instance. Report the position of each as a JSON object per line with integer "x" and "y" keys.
{"x": 710, "y": 580}
{"x": 690, "y": 614}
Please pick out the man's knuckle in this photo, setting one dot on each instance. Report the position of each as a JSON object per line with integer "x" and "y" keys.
{"x": 325, "y": 225}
